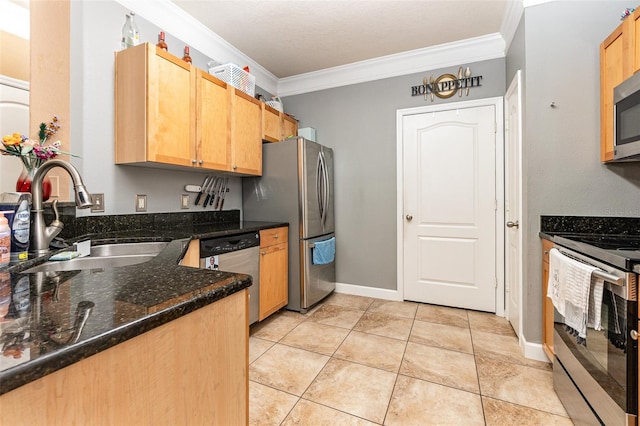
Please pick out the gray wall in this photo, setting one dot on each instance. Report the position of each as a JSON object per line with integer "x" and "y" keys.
{"x": 561, "y": 149}
{"x": 359, "y": 123}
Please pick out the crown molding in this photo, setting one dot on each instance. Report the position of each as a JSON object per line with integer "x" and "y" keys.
{"x": 511, "y": 20}
{"x": 175, "y": 21}
{"x": 444, "y": 55}
{"x": 529, "y": 3}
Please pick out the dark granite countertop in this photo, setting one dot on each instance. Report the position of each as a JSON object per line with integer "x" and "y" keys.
{"x": 572, "y": 226}
{"x": 37, "y": 317}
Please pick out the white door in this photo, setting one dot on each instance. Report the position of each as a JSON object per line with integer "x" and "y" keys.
{"x": 14, "y": 117}
{"x": 513, "y": 202}
{"x": 449, "y": 169}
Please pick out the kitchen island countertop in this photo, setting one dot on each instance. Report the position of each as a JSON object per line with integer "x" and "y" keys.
{"x": 37, "y": 319}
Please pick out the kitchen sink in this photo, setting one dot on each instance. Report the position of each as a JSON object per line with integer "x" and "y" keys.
{"x": 105, "y": 256}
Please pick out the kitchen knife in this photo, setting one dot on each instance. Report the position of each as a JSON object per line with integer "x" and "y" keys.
{"x": 220, "y": 192}
{"x": 214, "y": 190}
{"x": 208, "y": 191}
{"x": 202, "y": 189}
{"x": 226, "y": 182}
{"x": 216, "y": 194}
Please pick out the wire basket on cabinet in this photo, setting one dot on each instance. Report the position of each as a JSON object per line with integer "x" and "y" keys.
{"x": 235, "y": 76}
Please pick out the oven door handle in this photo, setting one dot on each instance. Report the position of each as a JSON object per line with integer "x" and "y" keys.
{"x": 608, "y": 277}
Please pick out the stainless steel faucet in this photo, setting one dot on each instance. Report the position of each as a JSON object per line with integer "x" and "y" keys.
{"x": 42, "y": 235}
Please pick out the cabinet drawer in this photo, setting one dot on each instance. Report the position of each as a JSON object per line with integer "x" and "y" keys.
{"x": 269, "y": 237}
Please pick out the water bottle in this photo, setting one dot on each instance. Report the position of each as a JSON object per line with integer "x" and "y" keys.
{"x": 130, "y": 32}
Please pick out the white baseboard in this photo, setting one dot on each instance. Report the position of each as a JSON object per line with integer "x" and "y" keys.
{"x": 359, "y": 290}
{"x": 533, "y": 350}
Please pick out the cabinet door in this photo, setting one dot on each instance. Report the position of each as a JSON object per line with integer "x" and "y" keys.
{"x": 274, "y": 278}
{"x": 246, "y": 134}
{"x": 271, "y": 124}
{"x": 192, "y": 255}
{"x": 290, "y": 127}
{"x": 616, "y": 64}
{"x": 212, "y": 123}
{"x": 547, "y": 305}
{"x": 636, "y": 39}
{"x": 170, "y": 109}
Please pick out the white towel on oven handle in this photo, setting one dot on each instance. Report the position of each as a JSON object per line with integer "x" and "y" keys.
{"x": 557, "y": 272}
{"x": 594, "y": 317}
{"x": 578, "y": 285}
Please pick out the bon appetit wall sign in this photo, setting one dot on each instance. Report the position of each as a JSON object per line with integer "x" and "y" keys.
{"x": 447, "y": 85}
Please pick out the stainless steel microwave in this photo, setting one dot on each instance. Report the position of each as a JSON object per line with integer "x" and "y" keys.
{"x": 626, "y": 120}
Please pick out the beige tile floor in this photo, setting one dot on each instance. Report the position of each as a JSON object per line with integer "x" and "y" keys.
{"x": 361, "y": 361}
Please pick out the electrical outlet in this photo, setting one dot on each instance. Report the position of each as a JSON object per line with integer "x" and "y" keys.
{"x": 98, "y": 203}
{"x": 184, "y": 201}
{"x": 141, "y": 203}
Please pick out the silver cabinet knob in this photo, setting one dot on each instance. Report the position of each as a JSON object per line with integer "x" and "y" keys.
{"x": 193, "y": 161}
{"x": 409, "y": 217}
{"x": 201, "y": 162}
{"x": 511, "y": 224}
{"x": 634, "y": 335}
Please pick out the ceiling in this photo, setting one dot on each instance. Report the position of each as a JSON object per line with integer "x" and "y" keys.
{"x": 296, "y": 37}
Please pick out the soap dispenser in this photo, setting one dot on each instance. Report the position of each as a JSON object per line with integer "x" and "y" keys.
{"x": 5, "y": 241}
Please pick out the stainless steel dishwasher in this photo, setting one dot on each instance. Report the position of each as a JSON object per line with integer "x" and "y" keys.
{"x": 238, "y": 253}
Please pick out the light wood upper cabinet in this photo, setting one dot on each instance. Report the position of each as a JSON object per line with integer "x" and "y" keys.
{"x": 271, "y": 124}
{"x": 213, "y": 139}
{"x": 635, "y": 22}
{"x": 246, "y": 134}
{"x": 276, "y": 125}
{"x": 154, "y": 107}
{"x": 289, "y": 126}
{"x": 274, "y": 270}
{"x": 547, "y": 305}
{"x": 619, "y": 59}
{"x": 170, "y": 113}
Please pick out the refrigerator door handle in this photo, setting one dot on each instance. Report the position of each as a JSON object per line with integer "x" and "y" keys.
{"x": 327, "y": 189}
{"x": 321, "y": 188}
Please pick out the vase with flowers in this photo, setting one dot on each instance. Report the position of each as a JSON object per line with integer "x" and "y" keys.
{"x": 33, "y": 154}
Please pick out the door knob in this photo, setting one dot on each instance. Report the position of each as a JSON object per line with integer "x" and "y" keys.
{"x": 409, "y": 217}
{"x": 511, "y": 224}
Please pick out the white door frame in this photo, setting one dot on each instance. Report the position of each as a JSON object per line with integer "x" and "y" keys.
{"x": 516, "y": 85}
{"x": 498, "y": 103}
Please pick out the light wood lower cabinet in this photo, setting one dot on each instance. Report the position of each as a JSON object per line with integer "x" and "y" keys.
{"x": 547, "y": 305}
{"x": 274, "y": 270}
{"x": 193, "y": 370}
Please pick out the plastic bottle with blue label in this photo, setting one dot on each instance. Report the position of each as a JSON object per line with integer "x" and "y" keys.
{"x": 5, "y": 242}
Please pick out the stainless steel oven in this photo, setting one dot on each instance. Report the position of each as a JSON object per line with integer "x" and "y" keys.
{"x": 596, "y": 377}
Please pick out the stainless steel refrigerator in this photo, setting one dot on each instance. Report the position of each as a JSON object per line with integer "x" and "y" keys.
{"x": 296, "y": 186}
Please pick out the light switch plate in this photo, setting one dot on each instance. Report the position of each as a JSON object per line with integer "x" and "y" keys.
{"x": 98, "y": 203}
{"x": 141, "y": 203}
